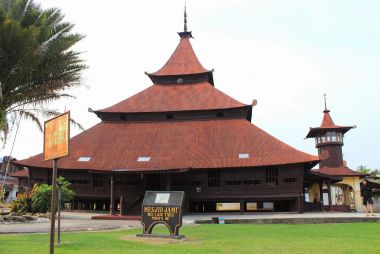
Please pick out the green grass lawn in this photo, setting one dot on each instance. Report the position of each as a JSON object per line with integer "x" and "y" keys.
{"x": 319, "y": 238}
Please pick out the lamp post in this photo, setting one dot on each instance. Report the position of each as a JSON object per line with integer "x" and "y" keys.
{"x": 59, "y": 210}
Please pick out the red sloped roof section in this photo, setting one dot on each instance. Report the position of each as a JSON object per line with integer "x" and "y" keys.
{"x": 326, "y": 125}
{"x": 23, "y": 173}
{"x": 338, "y": 171}
{"x": 175, "y": 145}
{"x": 183, "y": 61}
{"x": 163, "y": 98}
{"x": 327, "y": 121}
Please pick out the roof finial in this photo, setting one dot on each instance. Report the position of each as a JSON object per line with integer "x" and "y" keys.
{"x": 326, "y": 110}
{"x": 185, "y": 19}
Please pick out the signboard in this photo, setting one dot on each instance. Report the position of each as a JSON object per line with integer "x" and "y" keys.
{"x": 162, "y": 207}
{"x": 56, "y": 137}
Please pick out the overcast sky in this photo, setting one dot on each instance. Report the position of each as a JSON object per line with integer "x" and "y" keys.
{"x": 285, "y": 54}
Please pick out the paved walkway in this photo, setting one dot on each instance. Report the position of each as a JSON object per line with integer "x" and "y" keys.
{"x": 82, "y": 221}
{"x": 192, "y": 218}
{"x": 69, "y": 222}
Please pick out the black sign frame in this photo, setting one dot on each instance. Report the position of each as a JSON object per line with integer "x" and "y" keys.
{"x": 162, "y": 207}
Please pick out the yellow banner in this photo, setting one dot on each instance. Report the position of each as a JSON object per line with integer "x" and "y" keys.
{"x": 57, "y": 137}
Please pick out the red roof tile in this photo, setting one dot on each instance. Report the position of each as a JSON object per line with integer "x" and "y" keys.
{"x": 183, "y": 61}
{"x": 23, "y": 173}
{"x": 327, "y": 125}
{"x": 339, "y": 171}
{"x": 175, "y": 145}
{"x": 327, "y": 121}
{"x": 163, "y": 98}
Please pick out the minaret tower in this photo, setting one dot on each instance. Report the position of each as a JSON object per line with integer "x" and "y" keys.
{"x": 329, "y": 140}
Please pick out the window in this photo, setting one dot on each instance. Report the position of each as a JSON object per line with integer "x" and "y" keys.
{"x": 290, "y": 180}
{"x": 143, "y": 159}
{"x": 170, "y": 116}
{"x": 123, "y": 117}
{"x": 255, "y": 206}
{"x": 243, "y": 155}
{"x": 271, "y": 176}
{"x": 214, "y": 179}
{"x": 339, "y": 137}
{"x": 228, "y": 206}
{"x": 98, "y": 180}
{"x": 220, "y": 114}
{"x": 232, "y": 182}
{"x": 84, "y": 159}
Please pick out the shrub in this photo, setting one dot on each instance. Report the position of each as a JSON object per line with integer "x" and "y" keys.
{"x": 41, "y": 195}
{"x": 38, "y": 199}
{"x": 22, "y": 204}
{"x": 41, "y": 198}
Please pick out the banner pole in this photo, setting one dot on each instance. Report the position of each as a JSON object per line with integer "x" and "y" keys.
{"x": 53, "y": 205}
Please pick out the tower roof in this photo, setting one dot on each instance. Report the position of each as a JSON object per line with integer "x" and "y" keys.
{"x": 183, "y": 62}
{"x": 327, "y": 121}
{"x": 327, "y": 125}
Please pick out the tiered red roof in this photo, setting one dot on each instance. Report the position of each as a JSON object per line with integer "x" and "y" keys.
{"x": 204, "y": 143}
{"x": 116, "y": 146}
{"x": 177, "y": 97}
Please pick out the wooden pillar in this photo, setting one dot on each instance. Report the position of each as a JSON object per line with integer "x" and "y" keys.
{"x": 112, "y": 198}
{"x": 329, "y": 193}
{"x": 321, "y": 196}
{"x": 121, "y": 205}
{"x": 167, "y": 182}
{"x": 241, "y": 206}
{"x": 300, "y": 201}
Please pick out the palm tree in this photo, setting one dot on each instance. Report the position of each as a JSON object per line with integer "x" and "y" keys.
{"x": 37, "y": 64}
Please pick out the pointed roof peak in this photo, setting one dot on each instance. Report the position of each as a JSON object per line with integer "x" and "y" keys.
{"x": 327, "y": 124}
{"x": 327, "y": 121}
{"x": 183, "y": 62}
{"x": 185, "y": 33}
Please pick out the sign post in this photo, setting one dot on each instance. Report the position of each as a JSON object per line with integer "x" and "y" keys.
{"x": 56, "y": 145}
{"x": 162, "y": 207}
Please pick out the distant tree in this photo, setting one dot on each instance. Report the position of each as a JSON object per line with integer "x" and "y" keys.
{"x": 363, "y": 169}
{"x": 376, "y": 172}
{"x": 37, "y": 64}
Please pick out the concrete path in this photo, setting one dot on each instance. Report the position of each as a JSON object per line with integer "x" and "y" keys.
{"x": 315, "y": 217}
{"x": 82, "y": 221}
{"x": 69, "y": 222}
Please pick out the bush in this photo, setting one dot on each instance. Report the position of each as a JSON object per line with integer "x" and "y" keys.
{"x": 41, "y": 195}
{"x": 38, "y": 200}
{"x": 22, "y": 204}
{"x": 41, "y": 198}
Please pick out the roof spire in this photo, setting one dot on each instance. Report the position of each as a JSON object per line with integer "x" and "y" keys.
{"x": 185, "y": 20}
{"x": 185, "y": 33}
{"x": 326, "y": 110}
